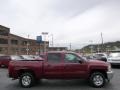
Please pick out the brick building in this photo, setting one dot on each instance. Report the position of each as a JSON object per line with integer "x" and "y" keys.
{"x": 58, "y": 49}
{"x": 14, "y": 44}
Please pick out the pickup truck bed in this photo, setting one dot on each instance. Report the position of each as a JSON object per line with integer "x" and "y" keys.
{"x": 18, "y": 67}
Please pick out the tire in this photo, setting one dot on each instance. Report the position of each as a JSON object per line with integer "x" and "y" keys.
{"x": 26, "y": 80}
{"x": 2, "y": 65}
{"x": 97, "y": 79}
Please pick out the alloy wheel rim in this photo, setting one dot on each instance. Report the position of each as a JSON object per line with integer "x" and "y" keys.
{"x": 98, "y": 80}
{"x": 26, "y": 80}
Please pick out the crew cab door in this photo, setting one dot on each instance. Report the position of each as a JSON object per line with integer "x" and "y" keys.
{"x": 53, "y": 67}
{"x": 74, "y": 67}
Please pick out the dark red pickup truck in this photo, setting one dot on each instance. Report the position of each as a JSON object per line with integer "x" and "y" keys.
{"x": 60, "y": 65}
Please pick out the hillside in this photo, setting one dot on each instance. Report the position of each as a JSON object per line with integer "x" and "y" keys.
{"x": 101, "y": 47}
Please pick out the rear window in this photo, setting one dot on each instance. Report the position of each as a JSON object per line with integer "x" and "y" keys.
{"x": 54, "y": 57}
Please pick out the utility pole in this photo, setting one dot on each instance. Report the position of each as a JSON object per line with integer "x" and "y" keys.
{"x": 102, "y": 47}
{"x": 27, "y": 46}
{"x": 52, "y": 40}
{"x": 91, "y": 46}
{"x": 98, "y": 49}
{"x": 70, "y": 46}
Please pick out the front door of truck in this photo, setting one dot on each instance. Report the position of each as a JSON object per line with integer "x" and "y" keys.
{"x": 53, "y": 67}
{"x": 74, "y": 67}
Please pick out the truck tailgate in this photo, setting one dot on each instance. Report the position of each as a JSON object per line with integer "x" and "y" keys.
{"x": 34, "y": 66}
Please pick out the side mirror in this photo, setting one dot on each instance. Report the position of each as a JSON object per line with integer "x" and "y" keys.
{"x": 80, "y": 61}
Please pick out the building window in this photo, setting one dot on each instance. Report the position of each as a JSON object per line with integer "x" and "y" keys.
{"x": 0, "y": 49}
{"x": 14, "y": 49}
{"x": 3, "y": 49}
{"x": 14, "y": 42}
{"x": 24, "y": 43}
{"x": 4, "y": 32}
{"x": 23, "y": 49}
{"x": 3, "y": 41}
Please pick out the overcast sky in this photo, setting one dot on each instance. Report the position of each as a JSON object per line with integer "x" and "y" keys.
{"x": 79, "y": 22}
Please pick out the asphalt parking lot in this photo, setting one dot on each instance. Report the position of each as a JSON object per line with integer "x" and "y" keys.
{"x": 8, "y": 84}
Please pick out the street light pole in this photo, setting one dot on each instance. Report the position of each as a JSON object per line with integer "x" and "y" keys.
{"x": 102, "y": 42}
{"x": 52, "y": 40}
{"x": 44, "y": 33}
{"x": 91, "y": 47}
{"x": 70, "y": 46}
{"x": 27, "y": 46}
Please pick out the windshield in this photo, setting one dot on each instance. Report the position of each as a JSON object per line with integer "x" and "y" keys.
{"x": 27, "y": 57}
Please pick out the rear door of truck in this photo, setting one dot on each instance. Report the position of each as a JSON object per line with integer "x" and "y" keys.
{"x": 53, "y": 66}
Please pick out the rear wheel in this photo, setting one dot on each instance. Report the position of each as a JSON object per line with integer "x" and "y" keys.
{"x": 2, "y": 65}
{"x": 97, "y": 79}
{"x": 27, "y": 80}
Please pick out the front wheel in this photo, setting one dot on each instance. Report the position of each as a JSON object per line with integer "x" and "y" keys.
{"x": 26, "y": 80}
{"x": 97, "y": 79}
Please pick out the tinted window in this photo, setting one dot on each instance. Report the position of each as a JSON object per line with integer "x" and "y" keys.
{"x": 15, "y": 42}
{"x": 3, "y": 41}
{"x": 54, "y": 57}
{"x": 71, "y": 58}
{"x": 4, "y": 32}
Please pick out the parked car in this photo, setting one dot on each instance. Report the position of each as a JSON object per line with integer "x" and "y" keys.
{"x": 31, "y": 57}
{"x": 60, "y": 65}
{"x": 114, "y": 58}
{"x": 16, "y": 57}
{"x": 88, "y": 57}
{"x": 100, "y": 56}
{"x": 36, "y": 57}
{"x": 4, "y": 61}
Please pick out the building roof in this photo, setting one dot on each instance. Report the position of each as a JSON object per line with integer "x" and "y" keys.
{"x": 4, "y": 27}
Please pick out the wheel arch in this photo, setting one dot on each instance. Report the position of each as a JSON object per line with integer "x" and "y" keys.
{"x": 21, "y": 71}
{"x": 98, "y": 70}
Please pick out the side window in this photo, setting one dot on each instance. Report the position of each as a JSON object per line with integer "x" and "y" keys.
{"x": 54, "y": 58}
{"x": 71, "y": 58}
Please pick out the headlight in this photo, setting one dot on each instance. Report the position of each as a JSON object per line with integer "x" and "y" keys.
{"x": 109, "y": 67}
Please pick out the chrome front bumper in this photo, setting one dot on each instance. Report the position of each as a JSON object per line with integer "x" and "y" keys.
{"x": 110, "y": 75}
